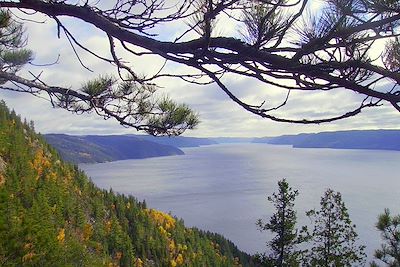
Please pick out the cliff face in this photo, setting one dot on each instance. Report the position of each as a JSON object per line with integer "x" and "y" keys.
{"x": 51, "y": 214}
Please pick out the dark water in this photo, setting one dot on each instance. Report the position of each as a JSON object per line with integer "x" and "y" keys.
{"x": 223, "y": 188}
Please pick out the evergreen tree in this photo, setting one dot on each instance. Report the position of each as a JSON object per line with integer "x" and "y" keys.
{"x": 13, "y": 55}
{"x": 283, "y": 225}
{"x": 139, "y": 106}
{"x": 51, "y": 214}
{"x": 389, "y": 226}
{"x": 333, "y": 236}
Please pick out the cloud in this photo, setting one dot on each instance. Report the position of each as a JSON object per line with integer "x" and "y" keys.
{"x": 219, "y": 115}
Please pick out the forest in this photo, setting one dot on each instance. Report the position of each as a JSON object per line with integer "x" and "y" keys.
{"x": 53, "y": 215}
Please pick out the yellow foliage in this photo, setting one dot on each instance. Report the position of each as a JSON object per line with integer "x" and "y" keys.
{"x": 118, "y": 255}
{"x": 61, "y": 235}
{"x": 87, "y": 231}
{"x": 128, "y": 205}
{"x": 173, "y": 263}
{"x": 67, "y": 177}
{"x": 138, "y": 263}
{"x": 51, "y": 176}
{"x": 28, "y": 246}
{"x": 16, "y": 219}
{"x": 171, "y": 246}
{"x": 162, "y": 230}
{"x": 179, "y": 259}
{"x": 77, "y": 190}
{"x": 108, "y": 226}
{"x": 2, "y": 180}
{"x": 99, "y": 247}
{"x": 28, "y": 257}
{"x": 236, "y": 262}
{"x": 53, "y": 209}
{"x": 161, "y": 218}
{"x": 182, "y": 248}
{"x": 40, "y": 163}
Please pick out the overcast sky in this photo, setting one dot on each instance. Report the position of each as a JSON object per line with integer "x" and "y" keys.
{"x": 219, "y": 116}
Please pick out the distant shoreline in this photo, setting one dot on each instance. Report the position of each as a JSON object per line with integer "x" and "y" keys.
{"x": 357, "y": 139}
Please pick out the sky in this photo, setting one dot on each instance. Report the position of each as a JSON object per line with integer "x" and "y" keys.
{"x": 218, "y": 114}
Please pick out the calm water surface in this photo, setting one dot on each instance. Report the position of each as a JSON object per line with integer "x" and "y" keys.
{"x": 223, "y": 188}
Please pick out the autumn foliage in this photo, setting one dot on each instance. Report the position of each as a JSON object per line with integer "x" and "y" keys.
{"x": 51, "y": 214}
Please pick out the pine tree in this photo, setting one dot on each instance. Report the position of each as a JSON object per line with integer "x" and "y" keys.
{"x": 12, "y": 54}
{"x": 333, "y": 236}
{"x": 291, "y": 45}
{"x": 51, "y": 214}
{"x": 389, "y": 226}
{"x": 283, "y": 224}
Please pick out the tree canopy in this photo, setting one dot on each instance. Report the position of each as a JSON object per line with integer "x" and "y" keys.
{"x": 334, "y": 236}
{"x": 131, "y": 103}
{"x": 389, "y": 252}
{"x": 51, "y": 214}
{"x": 283, "y": 44}
{"x": 282, "y": 224}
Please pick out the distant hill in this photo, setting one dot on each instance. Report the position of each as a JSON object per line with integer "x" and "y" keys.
{"x": 356, "y": 139}
{"x": 178, "y": 141}
{"x": 232, "y": 140}
{"x": 263, "y": 139}
{"x": 103, "y": 148}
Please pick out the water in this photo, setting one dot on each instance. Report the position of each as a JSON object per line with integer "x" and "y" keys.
{"x": 223, "y": 188}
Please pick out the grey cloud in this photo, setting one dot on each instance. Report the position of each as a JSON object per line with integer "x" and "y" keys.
{"x": 219, "y": 115}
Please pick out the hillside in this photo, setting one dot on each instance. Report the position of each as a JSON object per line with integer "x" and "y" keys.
{"x": 363, "y": 139}
{"x": 51, "y": 214}
{"x": 102, "y": 148}
{"x": 179, "y": 141}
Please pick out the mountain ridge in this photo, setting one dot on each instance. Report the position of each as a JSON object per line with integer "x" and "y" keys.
{"x": 178, "y": 141}
{"x": 383, "y": 139}
{"x": 103, "y": 148}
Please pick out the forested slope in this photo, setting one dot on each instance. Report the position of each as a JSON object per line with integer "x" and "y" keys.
{"x": 102, "y": 148}
{"x": 51, "y": 214}
{"x": 179, "y": 141}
